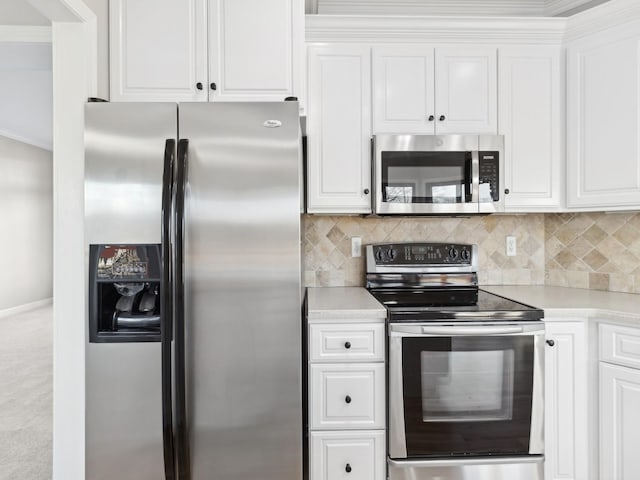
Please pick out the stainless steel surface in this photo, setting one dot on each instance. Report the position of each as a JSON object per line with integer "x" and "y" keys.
{"x": 124, "y": 144}
{"x": 123, "y": 412}
{"x": 536, "y": 437}
{"x": 470, "y": 328}
{"x": 242, "y": 267}
{"x": 373, "y": 267}
{"x": 438, "y": 143}
{"x": 397, "y": 439}
{"x": 396, "y": 428}
{"x": 505, "y": 468}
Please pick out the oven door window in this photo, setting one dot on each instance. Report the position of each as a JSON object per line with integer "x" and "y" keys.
{"x": 426, "y": 177}
{"x": 467, "y": 395}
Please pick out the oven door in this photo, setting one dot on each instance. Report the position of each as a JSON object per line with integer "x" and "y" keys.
{"x": 426, "y": 174}
{"x": 465, "y": 390}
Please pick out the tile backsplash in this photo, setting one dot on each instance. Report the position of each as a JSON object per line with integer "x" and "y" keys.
{"x": 327, "y": 245}
{"x": 600, "y": 251}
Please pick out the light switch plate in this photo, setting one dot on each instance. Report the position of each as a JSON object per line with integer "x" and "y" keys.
{"x": 356, "y": 246}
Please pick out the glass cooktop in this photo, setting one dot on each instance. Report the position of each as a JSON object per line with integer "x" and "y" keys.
{"x": 407, "y": 305}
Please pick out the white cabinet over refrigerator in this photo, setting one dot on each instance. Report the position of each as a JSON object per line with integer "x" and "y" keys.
{"x": 204, "y": 50}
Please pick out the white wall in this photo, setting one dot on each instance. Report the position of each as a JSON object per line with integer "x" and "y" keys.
{"x": 26, "y": 199}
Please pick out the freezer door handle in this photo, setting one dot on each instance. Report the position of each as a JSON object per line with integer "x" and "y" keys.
{"x": 182, "y": 429}
{"x": 166, "y": 309}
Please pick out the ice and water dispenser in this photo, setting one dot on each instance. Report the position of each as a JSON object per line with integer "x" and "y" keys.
{"x": 124, "y": 293}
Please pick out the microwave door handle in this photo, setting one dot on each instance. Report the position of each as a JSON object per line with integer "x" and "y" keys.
{"x": 475, "y": 177}
{"x": 480, "y": 330}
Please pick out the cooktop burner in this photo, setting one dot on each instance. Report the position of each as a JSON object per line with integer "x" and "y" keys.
{"x": 436, "y": 281}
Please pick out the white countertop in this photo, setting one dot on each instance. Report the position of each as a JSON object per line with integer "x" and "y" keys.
{"x": 343, "y": 303}
{"x": 565, "y": 301}
{"x": 356, "y": 304}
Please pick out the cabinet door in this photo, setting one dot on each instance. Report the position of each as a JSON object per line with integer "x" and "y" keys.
{"x": 603, "y": 120}
{"x": 255, "y": 49}
{"x": 158, "y": 50}
{"x": 403, "y": 90}
{"x": 347, "y": 455}
{"x": 619, "y": 422}
{"x": 565, "y": 402}
{"x": 466, "y": 90}
{"x": 346, "y": 396}
{"x": 339, "y": 129}
{"x": 531, "y": 120}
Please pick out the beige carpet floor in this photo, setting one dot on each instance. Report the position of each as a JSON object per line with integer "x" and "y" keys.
{"x": 26, "y": 395}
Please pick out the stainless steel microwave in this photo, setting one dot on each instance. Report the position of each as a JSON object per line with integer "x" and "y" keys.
{"x": 438, "y": 174}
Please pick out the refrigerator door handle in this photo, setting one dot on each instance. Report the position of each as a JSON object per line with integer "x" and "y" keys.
{"x": 182, "y": 429}
{"x": 166, "y": 307}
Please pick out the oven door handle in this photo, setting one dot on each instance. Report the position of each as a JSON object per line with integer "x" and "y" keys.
{"x": 456, "y": 331}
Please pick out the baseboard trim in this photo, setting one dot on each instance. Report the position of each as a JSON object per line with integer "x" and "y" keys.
{"x": 25, "y": 308}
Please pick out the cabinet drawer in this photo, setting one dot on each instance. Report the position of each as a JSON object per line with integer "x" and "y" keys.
{"x": 346, "y": 342}
{"x": 346, "y": 396}
{"x": 347, "y": 455}
{"x": 620, "y": 345}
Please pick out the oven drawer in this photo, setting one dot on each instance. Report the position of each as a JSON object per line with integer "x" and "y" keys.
{"x": 347, "y": 455}
{"x": 346, "y": 396}
{"x": 620, "y": 345}
{"x": 362, "y": 342}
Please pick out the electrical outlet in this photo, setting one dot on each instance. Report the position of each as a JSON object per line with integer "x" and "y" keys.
{"x": 356, "y": 246}
{"x": 511, "y": 246}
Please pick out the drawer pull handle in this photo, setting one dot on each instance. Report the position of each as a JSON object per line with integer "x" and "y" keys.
{"x": 347, "y": 345}
{"x": 347, "y": 399}
{"x": 551, "y": 343}
{"x": 347, "y": 468}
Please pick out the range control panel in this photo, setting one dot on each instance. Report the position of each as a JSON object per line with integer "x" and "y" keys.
{"x": 418, "y": 254}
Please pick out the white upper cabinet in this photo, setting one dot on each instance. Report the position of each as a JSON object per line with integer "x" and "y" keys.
{"x": 604, "y": 120}
{"x": 403, "y": 90}
{"x": 255, "y": 49}
{"x": 444, "y": 90}
{"x": 158, "y": 50}
{"x": 531, "y": 118}
{"x": 339, "y": 129}
{"x": 199, "y": 50}
{"x": 466, "y": 90}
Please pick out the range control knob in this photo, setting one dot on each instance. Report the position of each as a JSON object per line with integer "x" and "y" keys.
{"x": 465, "y": 254}
{"x": 391, "y": 253}
{"x": 453, "y": 253}
{"x": 379, "y": 254}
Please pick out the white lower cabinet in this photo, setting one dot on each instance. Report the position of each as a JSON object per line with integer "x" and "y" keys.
{"x": 619, "y": 402}
{"x": 566, "y": 393}
{"x": 358, "y": 455}
{"x": 346, "y": 406}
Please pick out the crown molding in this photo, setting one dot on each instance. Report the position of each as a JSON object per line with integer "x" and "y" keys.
{"x": 558, "y": 7}
{"x": 615, "y": 13}
{"x": 420, "y": 29}
{"x": 432, "y": 7}
{"x": 24, "y": 34}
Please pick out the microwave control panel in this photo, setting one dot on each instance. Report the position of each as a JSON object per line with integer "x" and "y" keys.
{"x": 489, "y": 176}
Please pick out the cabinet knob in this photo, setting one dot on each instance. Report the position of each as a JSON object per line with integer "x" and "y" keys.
{"x": 347, "y": 468}
{"x": 347, "y": 399}
{"x": 291, "y": 99}
{"x": 551, "y": 343}
{"x": 366, "y": 191}
{"x": 431, "y": 118}
{"x": 507, "y": 191}
{"x": 213, "y": 86}
{"x": 347, "y": 345}
{"x": 442, "y": 118}
{"x": 199, "y": 85}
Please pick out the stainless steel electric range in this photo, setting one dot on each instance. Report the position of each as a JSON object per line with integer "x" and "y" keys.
{"x": 465, "y": 368}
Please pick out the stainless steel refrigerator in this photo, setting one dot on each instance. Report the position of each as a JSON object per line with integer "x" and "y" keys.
{"x": 193, "y": 358}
